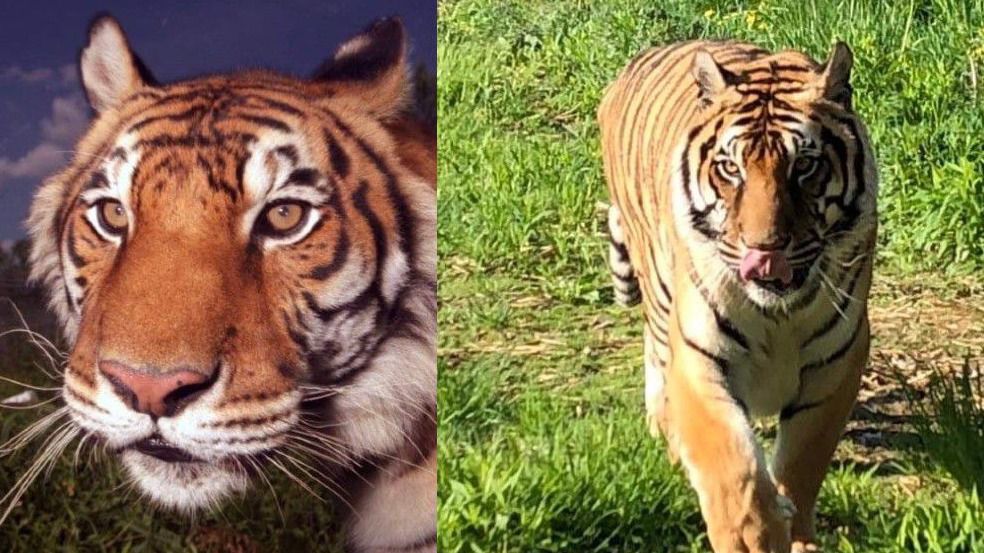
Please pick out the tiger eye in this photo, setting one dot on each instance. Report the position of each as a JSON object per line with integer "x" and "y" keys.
{"x": 113, "y": 216}
{"x": 804, "y": 164}
{"x": 730, "y": 168}
{"x": 285, "y": 217}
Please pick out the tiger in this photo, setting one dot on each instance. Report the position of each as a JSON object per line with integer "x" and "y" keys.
{"x": 743, "y": 220}
{"x": 243, "y": 267}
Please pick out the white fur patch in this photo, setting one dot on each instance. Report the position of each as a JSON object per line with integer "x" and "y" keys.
{"x": 195, "y": 430}
{"x": 265, "y": 184}
{"x": 108, "y": 70}
{"x": 183, "y": 486}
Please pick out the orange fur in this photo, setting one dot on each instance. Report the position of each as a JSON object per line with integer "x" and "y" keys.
{"x": 712, "y": 150}
{"x": 316, "y": 344}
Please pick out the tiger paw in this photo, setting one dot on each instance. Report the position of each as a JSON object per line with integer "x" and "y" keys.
{"x": 804, "y": 547}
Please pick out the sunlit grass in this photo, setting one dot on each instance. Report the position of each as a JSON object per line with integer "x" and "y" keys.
{"x": 542, "y": 440}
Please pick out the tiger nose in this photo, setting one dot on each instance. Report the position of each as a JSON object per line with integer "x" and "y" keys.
{"x": 158, "y": 394}
{"x": 773, "y": 242}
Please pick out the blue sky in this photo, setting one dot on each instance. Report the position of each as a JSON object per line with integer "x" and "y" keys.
{"x": 42, "y": 107}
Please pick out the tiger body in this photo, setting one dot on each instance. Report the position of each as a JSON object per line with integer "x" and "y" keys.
{"x": 209, "y": 342}
{"x": 701, "y": 144}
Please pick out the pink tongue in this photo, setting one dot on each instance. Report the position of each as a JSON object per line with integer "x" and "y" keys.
{"x": 765, "y": 265}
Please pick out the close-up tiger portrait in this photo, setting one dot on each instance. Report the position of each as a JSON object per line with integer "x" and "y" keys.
{"x": 243, "y": 267}
{"x": 743, "y": 218}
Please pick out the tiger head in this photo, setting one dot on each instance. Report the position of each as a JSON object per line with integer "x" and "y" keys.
{"x": 244, "y": 266}
{"x": 778, "y": 178}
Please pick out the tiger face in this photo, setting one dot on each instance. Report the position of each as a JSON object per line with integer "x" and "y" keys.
{"x": 777, "y": 176}
{"x": 244, "y": 266}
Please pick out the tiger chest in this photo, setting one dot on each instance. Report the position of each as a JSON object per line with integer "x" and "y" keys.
{"x": 766, "y": 376}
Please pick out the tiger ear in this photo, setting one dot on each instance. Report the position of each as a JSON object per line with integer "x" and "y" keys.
{"x": 371, "y": 67}
{"x": 110, "y": 70}
{"x": 711, "y": 77}
{"x": 833, "y": 80}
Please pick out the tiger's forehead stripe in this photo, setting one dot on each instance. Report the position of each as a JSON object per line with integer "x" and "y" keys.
{"x": 220, "y": 111}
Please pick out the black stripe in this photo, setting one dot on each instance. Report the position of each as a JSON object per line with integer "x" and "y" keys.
{"x": 783, "y": 118}
{"x": 338, "y": 158}
{"x": 265, "y": 121}
{"x": 118, "y": 153}
{"x": 780, "y": 104}
{"x": 297, "y": 337}
{"x": 840, "y": 152}
{"x": 659, "y": 323}
{"x": 728, "y": 328}
{"x": 793, "y": 409}
{"x": 401, "y": 209}
{"x": 194, "y": 140}
{"x": 628, "y": 281}
{"x": 185, "y": 115}
{"x": 724, "y": 324}
{"x": 620, "y": 248}
{"x": 685, "y": 164}
{"x": 289, "y": 152}
{"x": 361, "y": 301}
{"x": 98, "y": 180}
{"x": 751, "y": 106}
{"x": 858, "y": 155}
{"x": 778, "y": 68}
{"x": 68, "y": 298}
{"x": 214, "y": 183}
{"x": 663, "y": 287}
{"x": 240, "y": 171}
{"x": 841, "y": 308}
{"x": 303, "y": 177}
{"x": 719, "y": 361}
{"x": 361, "y": 204}
{"x": 322, "y": 272}
{"x": 837, "y": 355}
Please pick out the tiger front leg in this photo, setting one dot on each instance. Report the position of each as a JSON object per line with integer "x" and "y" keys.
{"x": 738, "y": 499}
{"x": 809, "y": 431}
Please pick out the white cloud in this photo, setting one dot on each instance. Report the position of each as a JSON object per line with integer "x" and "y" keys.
{"x": 19, "y": 74}
{"x": 67, "y": 120}
{"x": 58, "y": 76}
{"x": 59, "y": 131}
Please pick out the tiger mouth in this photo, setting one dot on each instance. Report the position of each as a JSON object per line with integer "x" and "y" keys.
{"x": 160, "y": 449}
{"x": 780, "y": 288}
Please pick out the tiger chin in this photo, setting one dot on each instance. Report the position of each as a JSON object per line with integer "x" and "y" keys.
{"x": 743, "y": 218}
{"x": 244, "y": 268}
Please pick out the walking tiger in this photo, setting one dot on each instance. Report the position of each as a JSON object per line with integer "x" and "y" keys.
{"x": 743, "y": 217}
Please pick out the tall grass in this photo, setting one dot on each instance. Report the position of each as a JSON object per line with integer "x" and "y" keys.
{"x": 950, "y": 423}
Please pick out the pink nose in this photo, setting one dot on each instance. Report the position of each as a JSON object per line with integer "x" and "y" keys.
{"x": 158, "y": 394}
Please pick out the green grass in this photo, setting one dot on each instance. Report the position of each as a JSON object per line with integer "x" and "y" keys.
{"x": 950, "y": 422}
{"x": 542, "y": 440}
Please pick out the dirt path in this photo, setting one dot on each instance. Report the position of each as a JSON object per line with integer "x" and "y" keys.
{"x": 919, "y": 326}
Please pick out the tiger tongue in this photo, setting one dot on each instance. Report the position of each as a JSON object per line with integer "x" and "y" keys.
{"x": 765, "y": 265}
